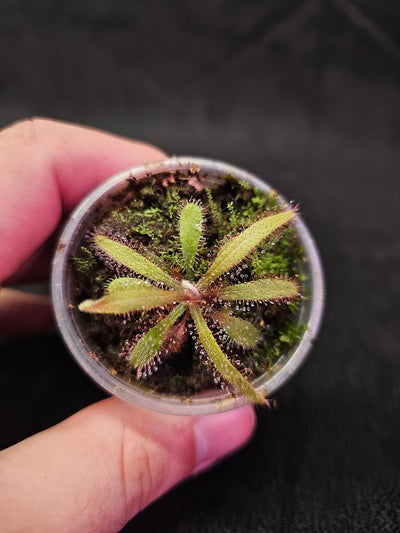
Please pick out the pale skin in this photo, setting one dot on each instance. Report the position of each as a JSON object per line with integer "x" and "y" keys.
{"x": 98, "y": 468}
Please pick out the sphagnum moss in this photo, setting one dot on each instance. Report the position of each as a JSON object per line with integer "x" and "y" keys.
{"x": 193, "y": 276}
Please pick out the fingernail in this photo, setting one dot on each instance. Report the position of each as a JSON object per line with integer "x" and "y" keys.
{"x": 219, "y": 435}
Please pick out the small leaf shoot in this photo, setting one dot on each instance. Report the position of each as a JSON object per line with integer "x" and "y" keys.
{"x": 147, "y": 347}
{"x": 190, "y": 230}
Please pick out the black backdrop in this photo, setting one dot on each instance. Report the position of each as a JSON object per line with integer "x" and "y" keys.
{"x": 306, "y": 94}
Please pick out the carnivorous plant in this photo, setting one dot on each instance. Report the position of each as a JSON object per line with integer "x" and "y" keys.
{"x": 189, "y": 303}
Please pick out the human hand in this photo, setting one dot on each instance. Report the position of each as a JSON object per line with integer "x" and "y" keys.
{"x": 98, "y": 468}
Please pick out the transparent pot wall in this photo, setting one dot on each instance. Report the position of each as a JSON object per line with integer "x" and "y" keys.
{"x": 209, "y": 401}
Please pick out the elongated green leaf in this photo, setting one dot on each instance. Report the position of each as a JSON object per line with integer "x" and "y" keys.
{"x": 124, "y": 255}
{"x": 236, "y": 249}
{"x": 148, "y": 345}
{"x": 137, "y": 295}
{"x": 241, "y": 331}
{"x": 222, "y": 364}
{"x": 190, "y": 228}
{"x": 120, "y": 284}
{"x": 261, "y": 289}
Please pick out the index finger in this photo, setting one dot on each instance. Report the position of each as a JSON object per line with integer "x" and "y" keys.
{"x": 46, "y": 168}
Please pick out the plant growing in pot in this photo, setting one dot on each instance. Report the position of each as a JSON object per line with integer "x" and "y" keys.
{"x": 188, "y": 286}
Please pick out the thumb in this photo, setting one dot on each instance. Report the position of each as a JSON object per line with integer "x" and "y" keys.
{"x": 98, "y": 468}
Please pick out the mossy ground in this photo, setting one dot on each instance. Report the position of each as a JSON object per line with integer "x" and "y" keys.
{"x": 145, "y": 212}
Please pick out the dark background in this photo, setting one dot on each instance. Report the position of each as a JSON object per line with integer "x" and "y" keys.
{"x": 305, "y": 94}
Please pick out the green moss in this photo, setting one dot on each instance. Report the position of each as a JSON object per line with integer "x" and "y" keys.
{"x": 215, "y": 210}
{"x": 85, "y": 262}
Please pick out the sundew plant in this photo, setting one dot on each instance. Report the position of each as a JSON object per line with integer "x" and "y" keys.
{"x": 210, "y": 299}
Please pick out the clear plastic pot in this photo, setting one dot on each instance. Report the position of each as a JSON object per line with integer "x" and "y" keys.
{"x": 212, "y": 401}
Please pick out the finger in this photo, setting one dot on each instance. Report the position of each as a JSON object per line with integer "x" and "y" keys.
{"x": 97, "y": 469}
{"x": 22, "y": 313}
{"x": 46, "y": 167}
{"x": 37, "y": 267}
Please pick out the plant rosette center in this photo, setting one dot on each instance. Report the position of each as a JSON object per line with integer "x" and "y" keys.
{"x": 185, "y": 277}
{"x": 191, "y": 292}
